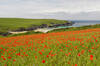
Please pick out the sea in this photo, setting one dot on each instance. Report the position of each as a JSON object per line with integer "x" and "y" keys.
{"x": 80, "y": 23}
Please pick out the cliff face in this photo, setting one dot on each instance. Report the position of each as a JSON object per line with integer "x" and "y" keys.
{"x": 65, "y": 24}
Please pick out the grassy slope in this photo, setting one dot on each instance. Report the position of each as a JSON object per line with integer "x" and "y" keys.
{"x": 15, "y": 23}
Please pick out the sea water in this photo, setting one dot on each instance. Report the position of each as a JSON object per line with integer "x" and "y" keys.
{"x": 80, "y": 23}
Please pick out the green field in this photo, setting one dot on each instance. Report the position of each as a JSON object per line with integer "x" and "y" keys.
{"x": 16, "y": 23}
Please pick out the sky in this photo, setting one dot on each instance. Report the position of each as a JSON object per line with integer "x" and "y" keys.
{"x": 55, "y": 9}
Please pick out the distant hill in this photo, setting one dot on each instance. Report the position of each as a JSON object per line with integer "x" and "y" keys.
{"x": 16, "y": 23}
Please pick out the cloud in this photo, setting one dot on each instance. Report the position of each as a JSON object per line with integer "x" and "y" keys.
{"x": 41, "y": 8}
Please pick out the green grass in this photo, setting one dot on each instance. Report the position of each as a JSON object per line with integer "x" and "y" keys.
{"x": 16, "y": 23}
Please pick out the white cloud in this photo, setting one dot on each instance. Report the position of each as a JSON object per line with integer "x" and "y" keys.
{"x": 39, "y": 8}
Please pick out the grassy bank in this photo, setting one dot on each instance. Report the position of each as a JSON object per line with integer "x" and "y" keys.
{"x": 7, "y": 24}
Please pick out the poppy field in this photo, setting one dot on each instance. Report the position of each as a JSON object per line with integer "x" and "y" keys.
{"x": 68, "y": 48}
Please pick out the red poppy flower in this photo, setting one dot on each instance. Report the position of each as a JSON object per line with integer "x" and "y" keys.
{"x": 75, "y": 64}
{"x": 9, "y": 57}
{"x": 40, "y": 53}
{"x": 4, "y": 58}
{"x": 91, "y": 57}
{"x": 78, "y": 54}
{"x": 47, "y": 56}
{"x": 43, "y": 61}
{"x": 14, "y": 60}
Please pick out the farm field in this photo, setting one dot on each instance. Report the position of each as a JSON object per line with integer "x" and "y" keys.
{"x": 7, "y": 24}
{"x": 67, "y": 48}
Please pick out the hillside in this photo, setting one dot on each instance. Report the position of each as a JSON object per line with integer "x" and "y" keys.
{"x": 8, "y": 24}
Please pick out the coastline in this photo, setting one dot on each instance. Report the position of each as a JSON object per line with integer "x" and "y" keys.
{"x": 41, "y": 28}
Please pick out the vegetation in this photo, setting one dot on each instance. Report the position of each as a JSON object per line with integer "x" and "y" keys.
{"x": 57, "y": 30}
{"x": 7, "y": 24}
{"x": 76, "y": 46}
{"x": 69, "y": 48}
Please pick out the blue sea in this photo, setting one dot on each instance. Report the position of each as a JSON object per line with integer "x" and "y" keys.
{"x": 79, "y": 23}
